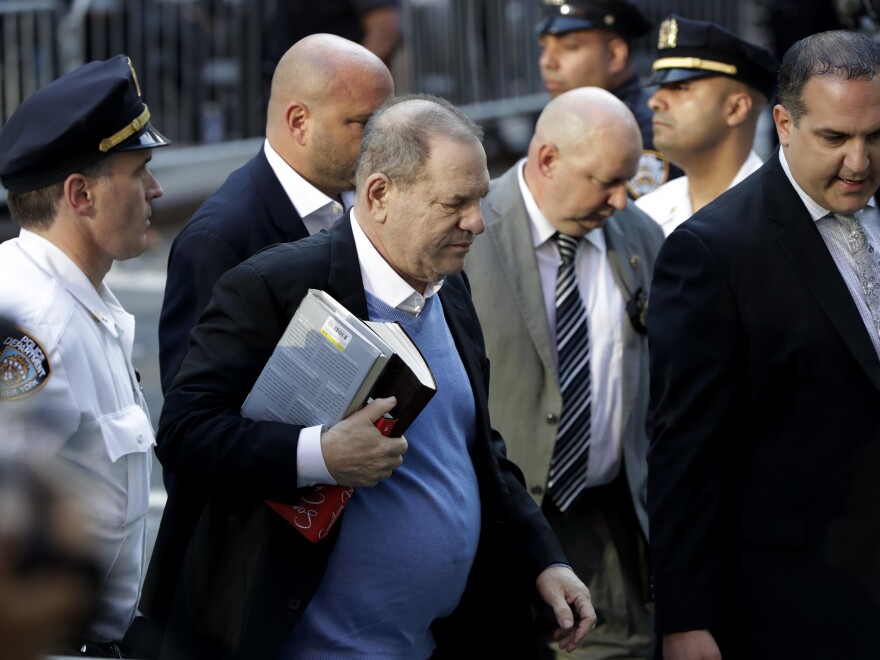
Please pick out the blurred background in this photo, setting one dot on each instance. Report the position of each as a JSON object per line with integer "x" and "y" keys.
{"x": 204, "y": 69}
{"x": 204, "y": 66}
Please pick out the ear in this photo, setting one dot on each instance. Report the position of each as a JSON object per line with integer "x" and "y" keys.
{"x": 378, "y": 190}
{"x": 548, "y": 160}
{"x": 297, "y": 119}
{"x": 738, "y": 105}
{"x": 784, "y": 124}
{"x": 78, "y": 194}
{"x": 618, "y": 55}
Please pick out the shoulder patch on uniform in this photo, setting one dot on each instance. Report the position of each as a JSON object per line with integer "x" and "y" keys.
{"x": 24, "y": 367}
{"x": 653, "y": 172}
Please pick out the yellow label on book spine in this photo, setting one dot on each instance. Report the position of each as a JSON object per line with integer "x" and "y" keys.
{"x": 335, "y": 333}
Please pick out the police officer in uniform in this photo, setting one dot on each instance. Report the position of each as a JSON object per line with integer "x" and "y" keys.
{"x": 713, "y": 87}
{"x": 588, "y": 43}
{"x": 73, "y": 158}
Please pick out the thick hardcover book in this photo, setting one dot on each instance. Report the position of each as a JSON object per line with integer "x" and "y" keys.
{"x": 328, "y": 364}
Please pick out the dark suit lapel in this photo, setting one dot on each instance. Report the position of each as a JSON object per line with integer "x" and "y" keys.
{"x": 800, "y": 240}
{"x": 345, "y": 280}
{"x": 281, "y": 210}
{"x": 460, "y": 319}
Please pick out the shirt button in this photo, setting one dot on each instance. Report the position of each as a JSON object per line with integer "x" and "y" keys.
{"x": 140, "y": 439}
{"x": 293, "y": 603}
{"x": 336, "y": 208}
{"x": 551, "y": 419}
{"x": 537, "y": 490}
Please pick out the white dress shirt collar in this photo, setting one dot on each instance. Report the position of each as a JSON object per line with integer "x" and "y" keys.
{"x": 382, "y": 281}
{"x": 317, "y": 210}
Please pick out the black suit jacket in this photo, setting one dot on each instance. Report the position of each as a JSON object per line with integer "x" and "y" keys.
{"x": 247, "y": 575}
{"x": 248, "y": 212}
{"x": 765, "y": 398}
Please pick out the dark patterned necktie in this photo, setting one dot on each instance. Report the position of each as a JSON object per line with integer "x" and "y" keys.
{"x": 865, "y": 261}
{"x": 568, "y": 470}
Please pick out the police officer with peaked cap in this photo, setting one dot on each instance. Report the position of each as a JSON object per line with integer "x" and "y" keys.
{"x": 690, "y": 49}
{"x": 707, "y": 127}
{"x": 588, "y": 43}
{"x": 73, "y": 157}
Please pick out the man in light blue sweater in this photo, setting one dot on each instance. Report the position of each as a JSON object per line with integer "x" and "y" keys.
{"x": 441, "y": 549}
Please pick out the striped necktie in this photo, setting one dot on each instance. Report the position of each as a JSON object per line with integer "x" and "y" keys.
{"x": 568, "y": 470}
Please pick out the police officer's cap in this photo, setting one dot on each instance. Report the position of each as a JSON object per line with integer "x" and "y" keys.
{"x": 690, "y": 49}
{"x": 621, "y": 16}
{"x": 73, "y": 122}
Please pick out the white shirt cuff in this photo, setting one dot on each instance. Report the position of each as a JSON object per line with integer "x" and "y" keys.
{"x": 310, "y": 466}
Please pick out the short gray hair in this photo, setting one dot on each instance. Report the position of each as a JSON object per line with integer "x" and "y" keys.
{"x": 848, "y": 55}
{"x": 397, "y": 138}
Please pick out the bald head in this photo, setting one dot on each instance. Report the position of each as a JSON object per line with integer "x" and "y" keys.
{"x": 585, "y": 148}
{"x": 324, "y": 90}
{"x": 311, "y": 67}
{"x": 574, "y": 119}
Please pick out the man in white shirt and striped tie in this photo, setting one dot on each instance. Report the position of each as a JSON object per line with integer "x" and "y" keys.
{"x": 560, "y": 281}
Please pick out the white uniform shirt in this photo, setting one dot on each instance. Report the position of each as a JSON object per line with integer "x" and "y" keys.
{"x": 670, "y": 204}
{"x": 89, "y": 412}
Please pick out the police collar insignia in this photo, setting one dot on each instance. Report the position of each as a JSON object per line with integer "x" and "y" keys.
{"x": 24, "y": 367}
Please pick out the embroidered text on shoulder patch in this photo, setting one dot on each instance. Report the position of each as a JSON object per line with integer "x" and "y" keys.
{"x": 24, "y": 367}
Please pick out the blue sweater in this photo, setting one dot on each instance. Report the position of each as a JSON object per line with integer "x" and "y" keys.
{"x": 405, "y": 546}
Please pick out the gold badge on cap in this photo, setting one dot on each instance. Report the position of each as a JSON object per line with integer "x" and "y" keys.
{"x": 668, "y": 34}
{"x": 608, "y": 20}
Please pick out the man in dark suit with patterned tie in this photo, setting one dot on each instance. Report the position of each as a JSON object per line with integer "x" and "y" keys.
{"x": 570, "y": 386}
{"x": 765, "y": 386}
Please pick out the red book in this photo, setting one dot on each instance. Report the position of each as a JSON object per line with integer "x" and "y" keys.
{"x": 319, "y": 509}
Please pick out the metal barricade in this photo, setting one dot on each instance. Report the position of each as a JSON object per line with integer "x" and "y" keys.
{"x": 201, "y": 64}
{"x": 28, "y": 49}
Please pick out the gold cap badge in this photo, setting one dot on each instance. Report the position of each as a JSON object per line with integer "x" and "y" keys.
{"x": 668, "y": 34}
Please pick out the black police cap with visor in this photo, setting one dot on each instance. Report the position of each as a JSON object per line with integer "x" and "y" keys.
{"x": 73, "y": 122}
{"x": 689, "y": 49}
{"x": 621, "y": 16}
